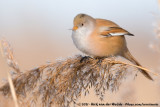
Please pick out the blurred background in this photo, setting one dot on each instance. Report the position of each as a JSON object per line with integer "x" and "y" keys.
{"x": 39, "y": 32}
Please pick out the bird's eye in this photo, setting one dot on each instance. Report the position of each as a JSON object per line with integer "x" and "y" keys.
{"x": 82, "y": 24}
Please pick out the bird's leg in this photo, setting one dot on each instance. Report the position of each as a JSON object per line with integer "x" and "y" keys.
{"x": 84, "y": 58}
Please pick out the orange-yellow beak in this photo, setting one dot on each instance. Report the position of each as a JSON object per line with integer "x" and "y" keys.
{"x": 75, "y": 28}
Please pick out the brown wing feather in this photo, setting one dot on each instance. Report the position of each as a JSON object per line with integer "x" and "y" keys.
{"x": 112, "y": 28}
{"x": 115, "y": 31}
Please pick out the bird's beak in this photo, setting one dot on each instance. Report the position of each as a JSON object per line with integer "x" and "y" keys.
{"x": 75, "y": 28}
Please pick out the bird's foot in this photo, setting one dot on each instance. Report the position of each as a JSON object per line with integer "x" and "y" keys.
{"x": 84, "y": 58}
{"x": 100, "y": 60}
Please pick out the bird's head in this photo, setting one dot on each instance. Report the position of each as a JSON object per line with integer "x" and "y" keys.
{"x": 83, "y": 21}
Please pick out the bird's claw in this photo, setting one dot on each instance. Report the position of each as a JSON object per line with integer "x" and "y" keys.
{"x": 100, "y": 60}
{"x": 84, "y": 58}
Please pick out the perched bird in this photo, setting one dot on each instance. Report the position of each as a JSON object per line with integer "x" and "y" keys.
{"x": 101, "y": 38}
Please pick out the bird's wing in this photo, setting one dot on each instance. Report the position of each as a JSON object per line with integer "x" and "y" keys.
{"x": 114, "y": 31}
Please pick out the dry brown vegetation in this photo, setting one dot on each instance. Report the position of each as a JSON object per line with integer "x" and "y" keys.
{"x": 63, "y": 82}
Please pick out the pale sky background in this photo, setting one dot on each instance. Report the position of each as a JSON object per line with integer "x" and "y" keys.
{"x": 38, "y": 29}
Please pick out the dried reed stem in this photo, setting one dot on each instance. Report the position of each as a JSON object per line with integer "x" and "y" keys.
{"x": 140, "y": 67}
{"x": 63, "y": 82}
{"x": 12, "y": 90}
{"x": 9, "y": 77}
{"x": 7, "y": 51}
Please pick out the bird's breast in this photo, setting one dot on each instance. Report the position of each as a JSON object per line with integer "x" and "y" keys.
{"x": 81, "y": 41}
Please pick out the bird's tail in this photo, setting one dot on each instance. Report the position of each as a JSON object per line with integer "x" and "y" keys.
{"x": 128, "y": 56}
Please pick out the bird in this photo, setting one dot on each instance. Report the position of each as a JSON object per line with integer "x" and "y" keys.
{"x": 101, "y": 38}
